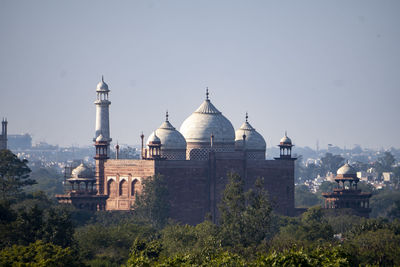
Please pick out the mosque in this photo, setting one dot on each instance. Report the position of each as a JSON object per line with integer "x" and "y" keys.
{"x": 194, "y": 161}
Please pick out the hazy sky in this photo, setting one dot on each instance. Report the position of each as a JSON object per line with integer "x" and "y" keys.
{"x": 326, "y": 70}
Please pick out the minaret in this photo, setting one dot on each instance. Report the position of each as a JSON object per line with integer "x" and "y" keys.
{"x": 3, "y": 136}
{"x": 102, "y": 115}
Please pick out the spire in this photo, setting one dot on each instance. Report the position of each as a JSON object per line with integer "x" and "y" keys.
{"x": 285, "y": 133}
{"x": 207, "y": 98}
{"x": 247, "y": 117}
{"x": 102, "y": 78}
{"x": 166, "y": 115}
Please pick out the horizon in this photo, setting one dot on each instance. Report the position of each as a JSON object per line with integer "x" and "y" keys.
{"x": 326, "y": 72}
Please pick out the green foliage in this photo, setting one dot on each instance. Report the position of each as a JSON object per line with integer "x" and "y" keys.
{"x": 311, "y": 229}
{"x": 201, "y": 241}
{"x": 304, "y": 198}
{"x": 110, "y": 243}
{"x": 14, "y": 175}
{"x": 38, "y": 254}
{"x": 394, "y": 212}
{"x": 152, "y": 204}
{"x": 144, "y": 252}
{"x": 47, "y": 180}
{"x": 331, "y": 163}
{"x": 385, "y": 163}
{"x": 343, "y": 220}
{"x": 379, "y": 247}
{"x": 33, "y": 222}
{"x": 244, "y": 217}
{"x": 298, "y": 257}
{"x": 383, "y": 202}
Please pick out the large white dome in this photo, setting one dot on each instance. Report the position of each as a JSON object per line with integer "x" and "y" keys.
{"x": 254, "y": 140}
{"x": 169, "y": 136}
{"x": 204, "y": 122}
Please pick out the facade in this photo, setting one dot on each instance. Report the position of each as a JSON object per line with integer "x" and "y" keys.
{"x": 194, "y": 161}
{"x": 346, "y": 195}
{"x": 3, "y": 136}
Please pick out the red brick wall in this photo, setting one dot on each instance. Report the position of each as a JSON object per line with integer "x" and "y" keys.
{"x": 195, "y": 187}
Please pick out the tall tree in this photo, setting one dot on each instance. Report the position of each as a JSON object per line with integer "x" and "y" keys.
{"x": 244, "y": 217}
{"x": 153, "y": 204}
{"x": 14, "y": 175}
{"x": 331, "y": 163}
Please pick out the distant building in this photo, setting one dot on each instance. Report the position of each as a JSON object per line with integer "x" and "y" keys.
{"x": 346, "y": 195}
{"x": 19, "y": 141}
{"x": 3, "y": 136}
{"x": 365, "y": 176}
{"x": 387, "y": 176}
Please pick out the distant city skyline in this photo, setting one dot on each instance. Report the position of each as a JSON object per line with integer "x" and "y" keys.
{"x": 326, "y": 71}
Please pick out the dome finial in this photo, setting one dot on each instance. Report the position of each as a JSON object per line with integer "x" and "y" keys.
{"x": 285, "y": 133}
{"x": 102, "y": 78}
{"x": 247, "y": 116}
{"x": 166, "y": 115}
{"x": 207, "y": 93}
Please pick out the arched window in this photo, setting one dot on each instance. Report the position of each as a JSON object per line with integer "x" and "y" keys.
{"x": 123, "y": 188}
{"x": 112, "y": 188}
{"x": 133, "y": 187}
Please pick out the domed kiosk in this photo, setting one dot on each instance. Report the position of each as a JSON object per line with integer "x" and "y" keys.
{"x": 248, "y": 139}
{"x": 198, "y": 129}
{"x": 346, "y": 195}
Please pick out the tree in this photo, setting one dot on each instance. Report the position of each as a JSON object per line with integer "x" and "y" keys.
{"x": 153, "y": 204}
{"x": 244, "y": 217}
{"x": 38, "y": 254}
{"x": 14, "y": 175}
{"x": 331, "y": 163}
{"x": 304, "y": 198}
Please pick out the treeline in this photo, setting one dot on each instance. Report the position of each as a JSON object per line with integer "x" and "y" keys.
{"x": 36, "y": 231}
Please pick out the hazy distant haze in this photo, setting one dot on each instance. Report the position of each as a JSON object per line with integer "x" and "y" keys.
{"x": 327, "y": 70}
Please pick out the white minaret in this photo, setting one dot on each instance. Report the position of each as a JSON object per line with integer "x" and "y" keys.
{"x": 102, "y": 115}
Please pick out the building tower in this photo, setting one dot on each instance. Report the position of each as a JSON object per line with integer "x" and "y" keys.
{"x": 3, "y": 136}
{"x": 285, "y": 147}
{"x": 102, "y": 136}
{"x": 102, "y": 112}
{"x": 346, "y": 194}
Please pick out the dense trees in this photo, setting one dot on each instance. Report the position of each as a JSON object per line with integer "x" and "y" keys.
{"x": 244, "y": 217}
{"x": 14, "y": 175}
{"x": 152, "y": 205}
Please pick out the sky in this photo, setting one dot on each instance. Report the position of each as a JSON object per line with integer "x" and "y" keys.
{"x": 322, "y": 70}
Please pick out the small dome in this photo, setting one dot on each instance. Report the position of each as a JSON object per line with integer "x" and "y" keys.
{"x": 207, "y": 120}
{"x": 101, "y": 138}
{"x": 82, "y": 171}
{"x": 170, "y": 138}
{"x": 102, "y": 86}
{"x": 153, "y": 138}
{"x": 285, "y": 140}
{"x": 254, "y": 140}
{"x": 346, "y": 169}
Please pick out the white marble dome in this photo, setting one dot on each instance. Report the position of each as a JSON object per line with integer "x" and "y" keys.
{"x": 346, "y": 169}
{"x": 82, "y": 171}
{"x": 204, "y": 122}
{"x": 254, "y": 140}
{"x": 102, "y": 86}
{"x": 169, "y": 136}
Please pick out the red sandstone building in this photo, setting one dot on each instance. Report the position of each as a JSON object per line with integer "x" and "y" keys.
{"x": 194, "y": 161}
{"x": 346, "y": 195}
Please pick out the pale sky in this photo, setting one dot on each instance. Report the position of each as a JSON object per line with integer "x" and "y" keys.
{"x": 326, "y": 70}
